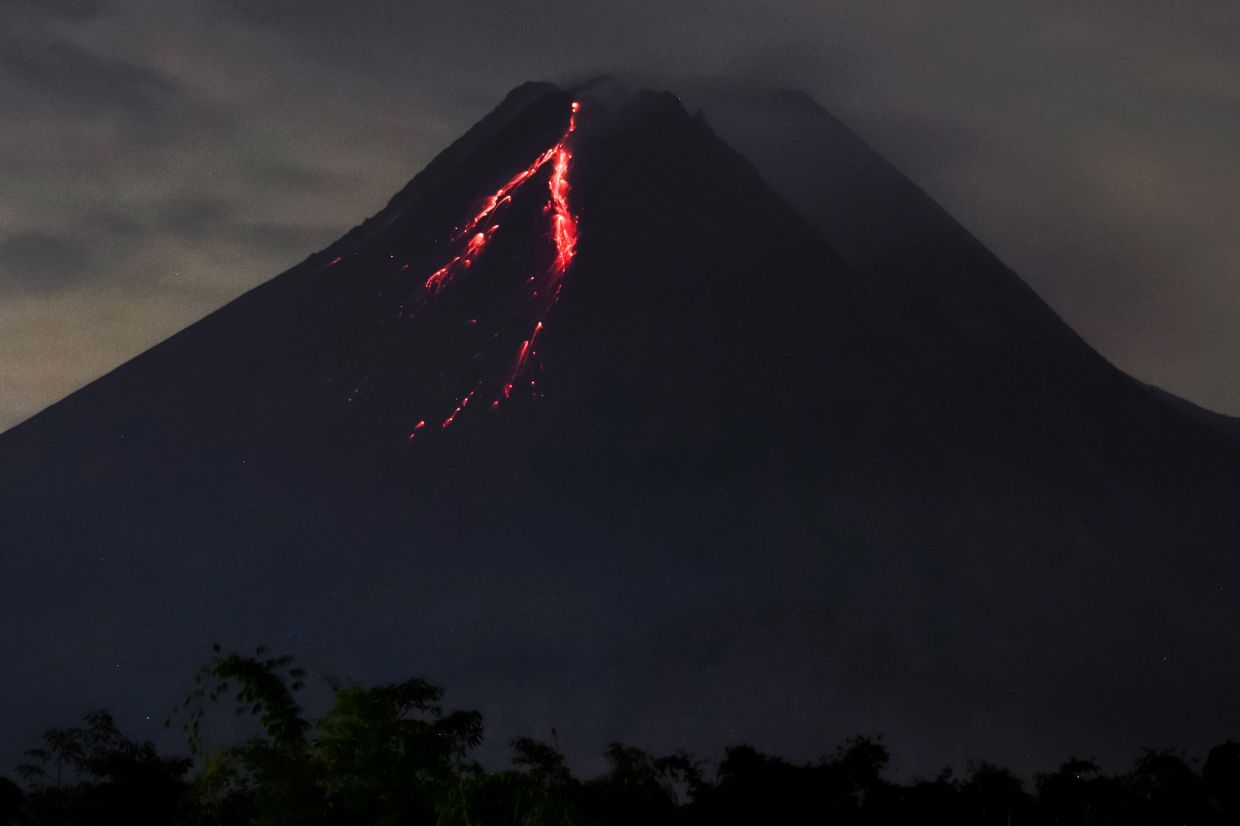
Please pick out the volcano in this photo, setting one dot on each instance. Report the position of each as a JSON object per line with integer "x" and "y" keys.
{"x": 683, "y": 422}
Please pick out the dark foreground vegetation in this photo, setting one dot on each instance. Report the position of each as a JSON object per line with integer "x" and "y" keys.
{"x": 393, "y": 755}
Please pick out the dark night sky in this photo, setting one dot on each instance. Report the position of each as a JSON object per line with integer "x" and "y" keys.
{"x": 159, "y": 158}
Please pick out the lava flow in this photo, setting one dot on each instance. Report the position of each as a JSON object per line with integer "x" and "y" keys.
{"x": 563, "y": 222}
{"x": 542, "y": 288}
{"x": 563, "y": 233}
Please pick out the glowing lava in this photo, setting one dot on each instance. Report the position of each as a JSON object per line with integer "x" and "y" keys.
{"x": 477, "y": 242}
{"x": 563, "y": 222}
{"x": 542, "y": 287}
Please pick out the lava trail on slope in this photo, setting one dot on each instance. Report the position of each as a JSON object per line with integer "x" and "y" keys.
{"x": 490, "y": 318}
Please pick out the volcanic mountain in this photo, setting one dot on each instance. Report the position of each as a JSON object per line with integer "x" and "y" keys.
{"x": 682, "y": 425}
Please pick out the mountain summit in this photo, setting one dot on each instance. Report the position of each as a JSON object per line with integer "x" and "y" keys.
{"x": 679, "y": 425}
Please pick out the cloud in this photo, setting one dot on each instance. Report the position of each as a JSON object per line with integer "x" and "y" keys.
{"x": 294, "y": 241}
{"x": 194, "y": 146}
{"x": 195, "y": 217}
{"x": 57, "y": 74}
{"x": 39, "y": 262}
{"x": 74, "y": 10}
{"x": 288, "y": 175}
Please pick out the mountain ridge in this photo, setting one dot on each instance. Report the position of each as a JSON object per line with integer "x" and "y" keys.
{"x": 750, "y": 482}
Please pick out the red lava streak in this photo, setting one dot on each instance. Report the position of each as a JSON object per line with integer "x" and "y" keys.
{"x": 440, "y": 277}
{"x": 543, "y": 286}
{"x": 563, "y": 222}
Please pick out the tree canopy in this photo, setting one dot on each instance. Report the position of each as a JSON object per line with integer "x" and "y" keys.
{"x": 395, "y": 755}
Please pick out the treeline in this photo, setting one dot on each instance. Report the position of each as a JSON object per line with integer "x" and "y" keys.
{"x": 392, "y": 755}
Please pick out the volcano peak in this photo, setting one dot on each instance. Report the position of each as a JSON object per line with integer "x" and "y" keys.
{"x": 617, "y": 419}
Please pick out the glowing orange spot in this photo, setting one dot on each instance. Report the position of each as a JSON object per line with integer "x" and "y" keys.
{"x": 438, "y": 279}
{"x": 502, "y": 195}
{"x": 563, "y": 223}
{"x": 543, "y": 288}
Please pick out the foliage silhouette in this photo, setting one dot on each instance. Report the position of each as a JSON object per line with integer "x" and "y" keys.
{"x": 94, "y": 774}
{"x": 10, "y": 801}
{"x": 393, "y": 755}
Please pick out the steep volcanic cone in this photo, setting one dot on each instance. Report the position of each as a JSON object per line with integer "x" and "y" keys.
{"x": 535, "y": 296}
{"x": 678, "y": 475}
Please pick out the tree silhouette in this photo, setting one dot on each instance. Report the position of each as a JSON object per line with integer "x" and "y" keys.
{"x": 94, "y": 774}
{"x": 993, "y": 795}
{"x": 393, "y": 755}
{"x": 1220, "y": 779}
{"x": 1078, "y": 793}
{"x": 11, "y": 799}
{"x": 1167, "y": 788}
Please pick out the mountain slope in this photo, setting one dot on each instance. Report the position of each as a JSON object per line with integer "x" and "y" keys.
{"x": 714, "y": 480}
